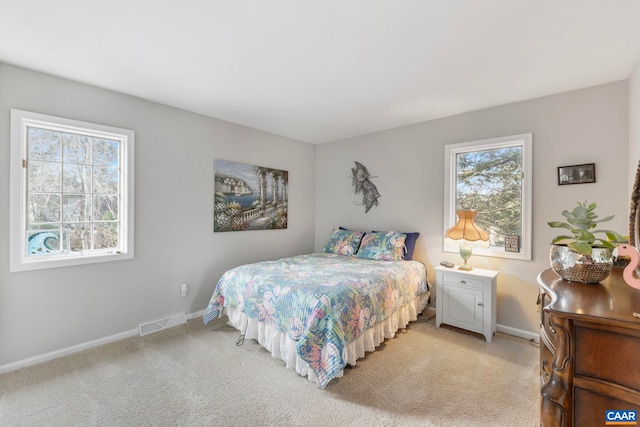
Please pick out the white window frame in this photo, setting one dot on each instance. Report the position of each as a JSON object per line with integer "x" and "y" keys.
{"x": 451, "y": 151}
{"x": 19, "y": 260}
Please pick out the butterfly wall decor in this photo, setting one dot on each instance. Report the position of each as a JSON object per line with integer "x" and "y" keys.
{"x": 362, "y": 184}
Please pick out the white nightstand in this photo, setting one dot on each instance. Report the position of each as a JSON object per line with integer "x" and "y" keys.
{"x": 467, "y": 299}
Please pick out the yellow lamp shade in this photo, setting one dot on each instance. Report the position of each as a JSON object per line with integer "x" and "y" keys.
{"x": 467, "y": 232}
{"x": 466, "y": 228}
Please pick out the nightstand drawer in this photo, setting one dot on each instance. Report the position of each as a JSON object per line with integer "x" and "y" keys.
{"x": 462, "y": 280}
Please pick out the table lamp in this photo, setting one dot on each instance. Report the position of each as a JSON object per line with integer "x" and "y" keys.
{"x": 467, "y": 232}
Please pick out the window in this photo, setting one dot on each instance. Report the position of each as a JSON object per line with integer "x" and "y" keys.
{"x": 71, "y": 192}
{"x": 492, "y": 177}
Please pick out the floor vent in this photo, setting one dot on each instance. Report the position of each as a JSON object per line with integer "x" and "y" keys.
{"x": 159, "y": 325}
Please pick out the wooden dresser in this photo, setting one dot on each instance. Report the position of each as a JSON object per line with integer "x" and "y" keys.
{"x": 589, "y": 349}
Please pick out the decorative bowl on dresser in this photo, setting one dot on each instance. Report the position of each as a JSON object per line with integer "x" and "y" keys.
{"x": 589, "y": 349}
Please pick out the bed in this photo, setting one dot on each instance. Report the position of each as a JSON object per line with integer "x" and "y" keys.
{"x": 322, "y": 311}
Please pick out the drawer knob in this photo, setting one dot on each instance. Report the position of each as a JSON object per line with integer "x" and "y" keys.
{"x": 464, "y": 282}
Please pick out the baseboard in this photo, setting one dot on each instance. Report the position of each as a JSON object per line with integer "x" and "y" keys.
{"x": 14, "y": 366}
{"x": 517, "y": 332}
{"x": 196, "y": 314}
{"x": 24, "y": 363}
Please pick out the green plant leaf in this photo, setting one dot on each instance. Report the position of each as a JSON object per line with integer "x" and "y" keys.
{"x": 561, "y": 238}
{"x": 609, "y": 218}
{"x": 558, "y": 224}
{"x": 614, "y": 237}
{"x": 580, "y": 222}
{"x": 584, "y": 235}
{"x": 606, "y": 244}
{"x": 581, "y": 247}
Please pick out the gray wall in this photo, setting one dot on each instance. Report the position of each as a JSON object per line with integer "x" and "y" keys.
{"x": 634, "y": 123}
{"x": 48, "y": 310}
{"x": 585, "y": 126}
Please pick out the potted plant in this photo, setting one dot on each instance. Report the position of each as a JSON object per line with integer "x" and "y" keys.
{"x": 584, "y": 255}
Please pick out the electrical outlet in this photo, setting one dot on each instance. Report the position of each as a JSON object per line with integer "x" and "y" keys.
{"x": 184, "y": 288}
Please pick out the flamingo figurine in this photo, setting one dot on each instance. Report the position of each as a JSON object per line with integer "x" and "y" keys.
{"x": 628, "y": 273}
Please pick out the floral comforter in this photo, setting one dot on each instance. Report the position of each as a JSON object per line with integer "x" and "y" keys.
{"x": 322, "y": 301}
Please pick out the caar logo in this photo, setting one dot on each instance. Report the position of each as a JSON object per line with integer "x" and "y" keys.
{"x": 621, "y": 418}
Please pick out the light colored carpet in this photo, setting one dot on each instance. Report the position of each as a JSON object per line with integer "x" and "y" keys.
{"x": 196, "y": 375}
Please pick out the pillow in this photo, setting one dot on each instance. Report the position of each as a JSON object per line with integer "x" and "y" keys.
{"x": 343, "y": 242}
{"x": 409, "y": 243}
{"x": 387, "y": 246}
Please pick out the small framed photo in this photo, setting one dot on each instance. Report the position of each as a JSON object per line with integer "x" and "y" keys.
{"x": 512, "y": 243}
{"x": 577, "y": 174}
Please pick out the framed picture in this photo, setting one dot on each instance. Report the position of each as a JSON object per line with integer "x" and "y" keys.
{"x": 577, "y": 174}
{"x": 249, "y": 197}
{"x": 512, "y": 243}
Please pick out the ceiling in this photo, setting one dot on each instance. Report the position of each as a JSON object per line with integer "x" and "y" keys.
{"x": 324, "y": 70}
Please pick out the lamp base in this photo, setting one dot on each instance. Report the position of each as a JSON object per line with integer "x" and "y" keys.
{"x": 465, "y": 254}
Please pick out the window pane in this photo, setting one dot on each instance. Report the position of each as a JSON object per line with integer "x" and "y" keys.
{"x": 76, "y": 179}
{"x": 76, "y": 208}
{"x": 105, "y": 180}
{"x": 79, "y": 236}
{"x": 106, "y": 208}
{"x": 105, "y": 235}
{"x": 106, "y": 152}
{"x": 76, "y": 148}
{"x": 44, "y": 144}
{"x": 44, "y": 177}
{"x": 44, "y": 208}
{"x": 490, "y": 183}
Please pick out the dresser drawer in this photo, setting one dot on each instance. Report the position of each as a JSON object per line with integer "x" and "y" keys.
{"x": 607, "y": 356}
{"x": 462, "y": 280}
{"x": 590, "y": 406}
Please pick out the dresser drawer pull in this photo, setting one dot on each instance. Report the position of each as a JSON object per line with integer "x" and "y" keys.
{"x": 544, "y": 369}
{"x": 464, "y": 282}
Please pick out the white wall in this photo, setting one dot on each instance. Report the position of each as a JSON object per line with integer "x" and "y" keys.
{"x": 585, "y": 126}
{"x": 49, "y": 310}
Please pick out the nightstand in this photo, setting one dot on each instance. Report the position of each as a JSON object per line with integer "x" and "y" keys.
{"x": 467, "y": 299}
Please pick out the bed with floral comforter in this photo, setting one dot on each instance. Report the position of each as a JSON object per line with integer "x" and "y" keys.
{"x": 326, "y": 308}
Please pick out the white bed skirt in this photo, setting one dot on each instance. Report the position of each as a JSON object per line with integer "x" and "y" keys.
{"x": 284, "y": 348}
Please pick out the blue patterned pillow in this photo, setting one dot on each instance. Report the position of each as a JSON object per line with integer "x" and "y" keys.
{"x": 387, "y": 246}
{"x": 409, "y": 243}
{"x": 343, "y": 242}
